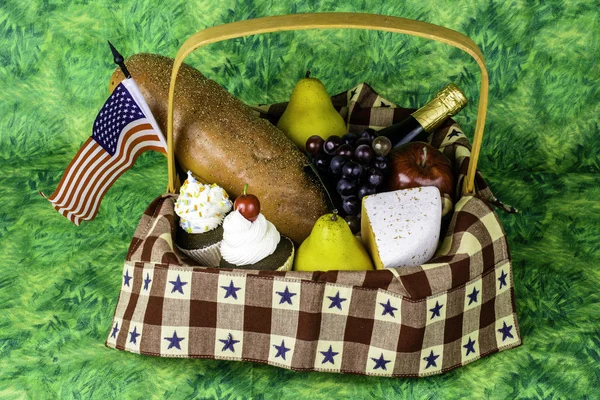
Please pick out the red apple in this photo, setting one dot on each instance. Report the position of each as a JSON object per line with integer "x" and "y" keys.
{"x": 416, "y": 164}
{"x": 248, "y": 205}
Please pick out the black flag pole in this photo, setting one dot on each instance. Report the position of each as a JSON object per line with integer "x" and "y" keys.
{"x": 119, "y": 60}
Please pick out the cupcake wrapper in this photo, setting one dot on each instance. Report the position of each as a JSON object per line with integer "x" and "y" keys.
{"x": 207, "y": 257}
{"x": 289, "y": 263}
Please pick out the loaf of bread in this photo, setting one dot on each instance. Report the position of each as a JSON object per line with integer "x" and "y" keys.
{"x": 221, "y": 140}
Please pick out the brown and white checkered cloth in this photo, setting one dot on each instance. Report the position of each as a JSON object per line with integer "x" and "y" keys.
{"x": 414, "y": 321}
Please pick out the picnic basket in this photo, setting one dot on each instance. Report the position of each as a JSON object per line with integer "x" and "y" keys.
{"x": 412, "y": 321}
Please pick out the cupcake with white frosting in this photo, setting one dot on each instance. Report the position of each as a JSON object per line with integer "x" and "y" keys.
{"x": 201, "y": 209}
{"x": 252, "y": 242}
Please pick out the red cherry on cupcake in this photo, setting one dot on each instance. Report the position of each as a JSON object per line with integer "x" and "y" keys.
{"x": 248, "y": 205}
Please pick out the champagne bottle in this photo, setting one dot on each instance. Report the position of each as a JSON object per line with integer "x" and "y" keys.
{"x": 445, "y": 104}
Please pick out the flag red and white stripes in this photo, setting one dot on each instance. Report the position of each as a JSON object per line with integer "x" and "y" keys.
{"x": 123, "y": 129}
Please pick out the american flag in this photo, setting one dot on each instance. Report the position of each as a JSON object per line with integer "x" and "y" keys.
{"x": 123, "y": 129}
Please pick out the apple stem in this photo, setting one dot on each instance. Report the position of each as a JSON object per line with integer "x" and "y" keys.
{"x": 334, "y": 216}
{"x": 424, "y": 157}
{"x": 307, "y": 74}
{"x": 245, "y": 189}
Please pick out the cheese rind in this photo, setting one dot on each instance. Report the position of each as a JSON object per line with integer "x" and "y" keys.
{"x": 402, "y": 228}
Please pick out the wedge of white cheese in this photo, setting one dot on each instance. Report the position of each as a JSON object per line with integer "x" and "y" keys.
{"x": 402, "y": 228}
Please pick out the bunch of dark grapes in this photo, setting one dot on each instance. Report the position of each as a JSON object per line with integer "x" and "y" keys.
{"x": 356, "y": 165}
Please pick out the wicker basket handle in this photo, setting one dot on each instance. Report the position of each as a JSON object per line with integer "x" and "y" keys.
{"x": 336, "y": 21}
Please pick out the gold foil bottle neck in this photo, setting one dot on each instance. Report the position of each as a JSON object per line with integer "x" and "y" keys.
{"x": 445, "y": 104}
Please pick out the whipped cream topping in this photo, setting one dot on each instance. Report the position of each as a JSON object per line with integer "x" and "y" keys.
{"x": 201, "y": 208}
{"x": 245, "y": 242}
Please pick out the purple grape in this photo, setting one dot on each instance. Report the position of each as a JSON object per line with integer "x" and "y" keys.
{"x": 365, "y": 190}
{"x": 331, "y": 144}
{"x": 345, "y": 150}
{"x": 337, "y": 163}
{"x": 364, "y": 154}
{"x": 351, "y": 205}
{"x": 382, "y": 163}
{"x": 375, "y": 177}
{"x": 354, "y": 223}
{"x": 362, "y": 141}
{"x": 366, "y": 171}
{"x": 349, "y": 138}
{"x": 352, "y": 170}
{"x": 369, "y": 133}
{"x": 345, "y": 187}
{"x": 314, "y": 144}
{"x": 321, "y": 161}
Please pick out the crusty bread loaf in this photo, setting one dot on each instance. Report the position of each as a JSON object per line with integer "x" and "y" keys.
{"x": 222, "y": 140}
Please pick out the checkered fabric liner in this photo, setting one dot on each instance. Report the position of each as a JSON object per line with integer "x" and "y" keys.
{"x": 414, "y": 321}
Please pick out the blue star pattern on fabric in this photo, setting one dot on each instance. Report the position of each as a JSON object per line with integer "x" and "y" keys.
{"x": 380, "y": 362}
{"x": 231, "y": 290}
{"x": 435, "y": 311}
{"x": 505, "y": 331}
{"x": 470, "y": 346}
{"x": 286, "y": 296}
{"x": 473, "y": 296}
{"x": 178, "y": 285}
{"x": 134, "y": 336}
{"x": 388, "y": 309}
{"x": 328, "y": 355}
{"x": 115, "y": 330}
{"x": 502, "y": 279}
{"x": 336, "y": 301}
{"x": 431, "y": 360}
{"x": 174, "y": 341}
{"x": 281, "y": 350}
{"x": 147, "y": 281}
{"x": 453, "y": 133}
{"x": 127, "y": 278}
{"x": 228, "y": 343}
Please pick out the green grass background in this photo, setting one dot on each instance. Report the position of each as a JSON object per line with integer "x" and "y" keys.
{"x": 59, "y": 283}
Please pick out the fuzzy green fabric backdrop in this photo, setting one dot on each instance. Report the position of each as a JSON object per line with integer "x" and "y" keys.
{"x": 59, "y": 283}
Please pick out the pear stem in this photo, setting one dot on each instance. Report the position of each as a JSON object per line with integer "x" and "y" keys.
{"x": 424, "y": 157}
{"x": 307, "y": 74}
{"x": 245, "y": 189}
{"x": 334, "y": 216}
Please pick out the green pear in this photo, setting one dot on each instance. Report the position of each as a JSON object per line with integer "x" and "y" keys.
{"x": 332, "y": 246}
{"x": 310, "y": 112}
